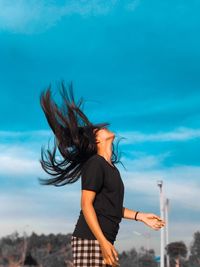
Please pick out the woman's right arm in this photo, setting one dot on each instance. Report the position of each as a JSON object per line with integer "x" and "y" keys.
{"x": 108, "y": 250}
{"x": 89, "y": 213}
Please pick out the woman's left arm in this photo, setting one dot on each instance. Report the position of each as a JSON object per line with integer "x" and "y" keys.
{"x": 150, "y": 219}
{"x": 130, "y": 214}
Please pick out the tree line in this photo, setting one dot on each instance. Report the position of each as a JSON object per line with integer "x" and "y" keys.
{"x": 54, "y": 250}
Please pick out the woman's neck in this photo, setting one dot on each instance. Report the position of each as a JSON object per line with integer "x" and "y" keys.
{"x": 105, "y": 151}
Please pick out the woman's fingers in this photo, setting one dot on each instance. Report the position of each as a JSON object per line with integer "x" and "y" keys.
{"x": 110, "y": 255}
{"x": 115, "y": 254}
{"x": 155, "y": 224}
{"x": 157, "y": 217}
{"x": 158, "y": 225}
{"x": 112, "y": 259}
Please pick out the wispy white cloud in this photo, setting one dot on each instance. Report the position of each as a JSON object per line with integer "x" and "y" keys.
{"x": 18, "y": 166}
{"x": 56, "y": 210}
{"x": 18, "y": 160}
{"x": 22, "y": 155}
{"x": 44, "y": 209}
{"x": 20, "y": 152}
{"x": 17, "y": 134}
{"x": 179, "y": 134}
{"x": 142, "y": 172}
{"x": 53, "y": 211}
{"x": 34, "y": 15}
{"x": 181, "y": 184}
{"x": 143, "y": 161}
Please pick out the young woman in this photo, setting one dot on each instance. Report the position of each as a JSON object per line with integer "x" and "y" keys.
{"x": 88, "y": 152}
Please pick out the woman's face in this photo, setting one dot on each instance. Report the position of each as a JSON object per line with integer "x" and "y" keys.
{"x": 103, "y": 134}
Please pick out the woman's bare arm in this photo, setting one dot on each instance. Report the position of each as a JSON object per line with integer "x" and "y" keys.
{"x": 130, "y": 214}
{"x": 109, "y": 252}
{"x": 150, "y": 219}
{"x": 89, "y": 213}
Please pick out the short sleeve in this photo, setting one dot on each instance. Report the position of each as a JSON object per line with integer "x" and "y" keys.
{"x": 92, "y": 175}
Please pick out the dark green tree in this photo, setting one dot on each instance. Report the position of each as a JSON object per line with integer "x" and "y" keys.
{"x": 177, "y": 252}
{"x": 128, "y": 258}
{"x": 146, "y": 258}
{"x": 194, "y": 258}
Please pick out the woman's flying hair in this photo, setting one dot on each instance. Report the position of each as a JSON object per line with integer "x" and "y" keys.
{"x": 74, "y": 136}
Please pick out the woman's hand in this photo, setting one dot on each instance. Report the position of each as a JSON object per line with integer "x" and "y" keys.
{"x": 151, "y": 220}
{"x": 110, "y": 255}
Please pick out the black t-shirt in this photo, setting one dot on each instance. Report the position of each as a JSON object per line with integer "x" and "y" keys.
{"x": 103, "y": 178}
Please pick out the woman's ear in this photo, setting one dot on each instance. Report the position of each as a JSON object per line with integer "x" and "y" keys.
{"x": 95, "y": 130}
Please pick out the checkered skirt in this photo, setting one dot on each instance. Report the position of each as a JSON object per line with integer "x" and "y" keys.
{"x": 86, "y": 253}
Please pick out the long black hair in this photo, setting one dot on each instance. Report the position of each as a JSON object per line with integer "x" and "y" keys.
{"x": 74, "y": 136}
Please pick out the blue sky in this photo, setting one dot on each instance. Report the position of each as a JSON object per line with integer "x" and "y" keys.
{"x": 136, "y": 64}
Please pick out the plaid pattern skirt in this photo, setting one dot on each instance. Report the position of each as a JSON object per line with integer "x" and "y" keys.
{"x": 86, "y": 253}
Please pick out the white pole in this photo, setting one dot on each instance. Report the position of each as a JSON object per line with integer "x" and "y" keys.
{"x": 160, "y": 185}
{"x": 167, "y": 226}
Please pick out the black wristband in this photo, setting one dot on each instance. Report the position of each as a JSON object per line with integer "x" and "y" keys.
{"x": 136, "y": 215}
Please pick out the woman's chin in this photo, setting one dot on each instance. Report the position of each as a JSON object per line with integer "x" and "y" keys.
{"x": 112, "y": 136}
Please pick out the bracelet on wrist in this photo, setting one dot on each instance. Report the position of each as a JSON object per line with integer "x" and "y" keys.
{"x": 136, "y": 215}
